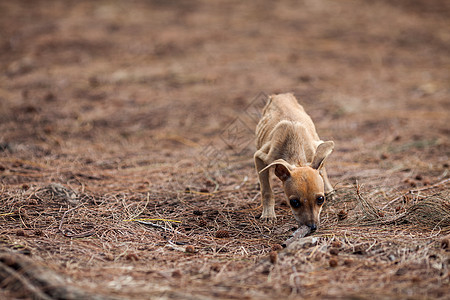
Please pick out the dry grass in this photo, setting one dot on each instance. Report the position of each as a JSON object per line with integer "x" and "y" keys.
{"x": 56, "y": 221}
{"x": 427, "y": 207}
{"x": 127, "y": 140}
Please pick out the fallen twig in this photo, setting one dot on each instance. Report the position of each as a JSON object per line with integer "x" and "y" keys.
{"x": 146, "y": 219}
{"x": 160, "y": 227}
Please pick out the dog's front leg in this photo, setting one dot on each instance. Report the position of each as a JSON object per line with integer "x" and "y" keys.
{"x": 267, "y": 199}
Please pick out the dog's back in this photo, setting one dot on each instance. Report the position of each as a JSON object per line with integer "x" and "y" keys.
{"x": 279, "y": 108}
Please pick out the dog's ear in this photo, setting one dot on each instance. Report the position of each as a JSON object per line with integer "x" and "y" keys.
{"x": 282, "y": 169}
{"x": 323, "y": 150}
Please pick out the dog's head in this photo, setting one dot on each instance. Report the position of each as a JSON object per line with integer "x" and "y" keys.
{"x": 304, "y": 186}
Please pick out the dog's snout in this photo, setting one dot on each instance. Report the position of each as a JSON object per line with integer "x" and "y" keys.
{"x": 312, "y": 226}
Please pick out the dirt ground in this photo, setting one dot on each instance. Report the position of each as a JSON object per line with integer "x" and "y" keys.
{"x": 117, "y": 111}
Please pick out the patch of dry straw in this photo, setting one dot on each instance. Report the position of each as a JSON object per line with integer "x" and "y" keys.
{"x": 430, "y": 211}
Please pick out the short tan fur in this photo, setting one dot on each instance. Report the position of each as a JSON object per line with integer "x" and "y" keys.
{"x": 288, "y": 142}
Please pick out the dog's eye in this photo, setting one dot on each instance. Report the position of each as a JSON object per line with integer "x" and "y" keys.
{"x": 320, "y": 200}
{"x": 295, "y": 202}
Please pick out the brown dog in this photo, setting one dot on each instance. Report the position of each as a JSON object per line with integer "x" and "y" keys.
{"x": 287, "y": 140}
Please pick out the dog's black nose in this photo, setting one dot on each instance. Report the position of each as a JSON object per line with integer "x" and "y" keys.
{"x": 313, "y": 227}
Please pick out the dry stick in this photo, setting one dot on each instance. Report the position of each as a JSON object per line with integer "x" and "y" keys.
{"x": 174, "y": 246}
{"x": 79, "y": 235}
{"x": 161, "y": 227}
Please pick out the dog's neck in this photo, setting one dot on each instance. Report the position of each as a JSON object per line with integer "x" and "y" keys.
{"x": 295, "y": 145}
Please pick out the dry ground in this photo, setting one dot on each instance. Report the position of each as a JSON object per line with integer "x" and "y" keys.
{"x": 112, "y": 111}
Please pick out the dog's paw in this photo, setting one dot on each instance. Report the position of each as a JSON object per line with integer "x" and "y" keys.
{"x": 268, "y": 216}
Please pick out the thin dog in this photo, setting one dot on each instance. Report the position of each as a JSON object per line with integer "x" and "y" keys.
{"x": 287, "y": 140}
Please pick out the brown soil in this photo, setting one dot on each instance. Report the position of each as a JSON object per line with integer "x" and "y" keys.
{"x": 112, "y": 111}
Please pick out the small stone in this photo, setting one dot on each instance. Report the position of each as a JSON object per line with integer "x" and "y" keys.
{"x": 416, "y": 279}
{"x": 333, "y": 262}
{"x": 334, "y": 251}
{"x": 20, "y": 232}
{"x": 303, "y": 78}
{"x": 48, "y": 129}
{"x": 273, "y": 256}
{"x": 190, "y": 249}
{"x": 50, "y": 97}
{"x": 342, "y": 215}
{"x": 176, "y": 274}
